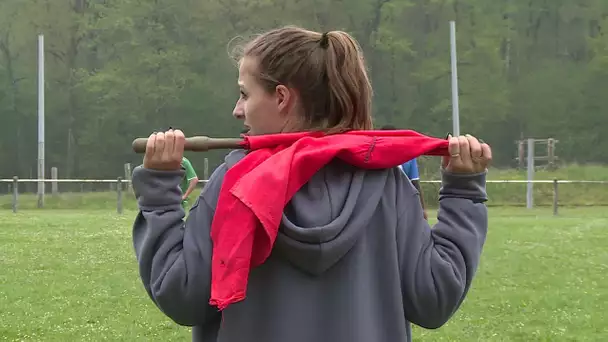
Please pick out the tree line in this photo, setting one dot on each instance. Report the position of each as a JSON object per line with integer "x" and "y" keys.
{"x": 119, "y": 69}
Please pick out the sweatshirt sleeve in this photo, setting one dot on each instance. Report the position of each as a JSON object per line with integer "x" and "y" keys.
{"x": 174, "y": 254}
{"x": 438, "y": 265}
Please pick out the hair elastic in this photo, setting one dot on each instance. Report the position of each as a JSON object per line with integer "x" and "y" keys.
{"x": 324, "y": 42}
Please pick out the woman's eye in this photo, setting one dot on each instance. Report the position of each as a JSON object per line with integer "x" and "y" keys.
{"x": 243, "y": 95}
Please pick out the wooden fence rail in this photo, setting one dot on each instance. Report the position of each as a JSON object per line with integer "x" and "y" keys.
{"x": 120, "y": 185}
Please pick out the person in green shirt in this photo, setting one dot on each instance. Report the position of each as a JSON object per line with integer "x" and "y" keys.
{"x": 189, "y": 181}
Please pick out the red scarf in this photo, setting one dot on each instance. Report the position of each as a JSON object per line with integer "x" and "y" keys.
{"x": 256, "y": 190}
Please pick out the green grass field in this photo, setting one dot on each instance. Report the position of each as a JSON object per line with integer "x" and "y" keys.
{"x": 71, "y": 275}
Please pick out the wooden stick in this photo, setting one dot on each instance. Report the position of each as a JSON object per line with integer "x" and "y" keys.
{"x": 196, "y": 144}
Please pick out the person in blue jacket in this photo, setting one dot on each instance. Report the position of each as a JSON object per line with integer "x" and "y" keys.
{"x": 410, "y": 168}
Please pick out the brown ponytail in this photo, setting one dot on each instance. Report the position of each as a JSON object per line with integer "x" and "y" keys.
{"x": 350, "y": 91}
{"x": 327, "y": 70}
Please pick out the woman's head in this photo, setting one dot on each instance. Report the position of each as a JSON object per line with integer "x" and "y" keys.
{"x": 293, "y": 79}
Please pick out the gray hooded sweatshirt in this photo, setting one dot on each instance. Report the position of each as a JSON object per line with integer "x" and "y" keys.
{"x": 354, "y": 261}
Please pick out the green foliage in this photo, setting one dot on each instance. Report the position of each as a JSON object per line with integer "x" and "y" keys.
{"x": 116, "y": 70}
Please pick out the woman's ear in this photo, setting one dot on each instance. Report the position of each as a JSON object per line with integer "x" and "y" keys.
{"x": 285, "y": 99}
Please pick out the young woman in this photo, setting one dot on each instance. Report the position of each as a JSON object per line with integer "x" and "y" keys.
{"x": 354, "y": 260}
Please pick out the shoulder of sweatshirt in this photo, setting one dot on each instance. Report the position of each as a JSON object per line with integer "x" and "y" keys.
{"x": 211, "y": 190}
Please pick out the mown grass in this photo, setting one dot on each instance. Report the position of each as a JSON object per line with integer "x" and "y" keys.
{"x": 71, "y": 275}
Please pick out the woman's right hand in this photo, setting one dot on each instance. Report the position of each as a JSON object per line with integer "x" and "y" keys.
{"x": 467, "y": 155}
{"x": 164, "y": 151}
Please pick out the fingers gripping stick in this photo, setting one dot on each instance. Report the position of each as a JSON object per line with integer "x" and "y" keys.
{"x": 196, "y": 144}
{"x": 467, "y": 155}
